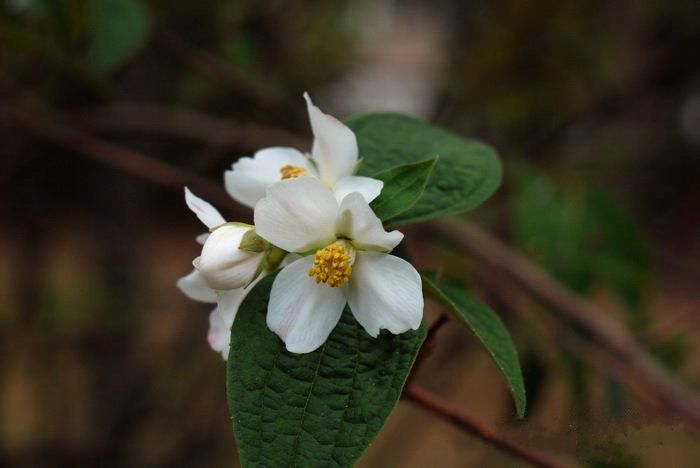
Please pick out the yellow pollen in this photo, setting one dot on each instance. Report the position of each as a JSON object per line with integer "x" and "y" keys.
{"x": 292, "y": 172}
{"x": 332, "y": 265}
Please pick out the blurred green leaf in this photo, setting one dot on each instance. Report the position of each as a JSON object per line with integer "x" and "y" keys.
{"x": 403, "y": 186}
{"x": 118, "y": 29}
{"x": 318, "y": 409}
{"x": 616, "y": 398}
{"x": 488, "y": 328}
{"x": 240, "y": 51}
{"x": 622, "y": 252}
{"x": 673, "y": 351}
{"x": 466, "y": 174}
{"x": 582, "y": 236}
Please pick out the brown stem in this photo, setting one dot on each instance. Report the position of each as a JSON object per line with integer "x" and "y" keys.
{"x": 437, "y": 325}
{"x": 226, "y": 75}
{"x": 155, "y": 119}
{"x": 122, "y": 158}
{"x": 427, "y": 348}
{"x": 477, "y": 428}
{"x": 604, "y": 330}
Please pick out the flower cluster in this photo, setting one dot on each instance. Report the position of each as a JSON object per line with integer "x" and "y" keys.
{"x": 313, "y": 220}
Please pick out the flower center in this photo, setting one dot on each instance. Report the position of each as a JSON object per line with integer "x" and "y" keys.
{"x": 332, "y": 265}
{"x": 292, "y": 172}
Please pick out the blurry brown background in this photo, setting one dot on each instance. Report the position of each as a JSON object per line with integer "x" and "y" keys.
{"x": 104, "y": 362}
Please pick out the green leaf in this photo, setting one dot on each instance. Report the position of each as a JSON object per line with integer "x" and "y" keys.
{"x": 488, "y": 327}
{"x": 317, "y": 409}
{"x": 582, "y": 236}
{"x": 467, "y": 173}
{"x": 403, "y": 186}
{"x": 118, "y": 29}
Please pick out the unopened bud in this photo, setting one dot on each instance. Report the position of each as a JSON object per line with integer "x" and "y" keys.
{"x": 223, "y": 263}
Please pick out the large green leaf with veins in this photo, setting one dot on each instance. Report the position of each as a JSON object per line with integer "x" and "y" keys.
{"x": 318, "y": 409}
{"x": 467, "y": 171}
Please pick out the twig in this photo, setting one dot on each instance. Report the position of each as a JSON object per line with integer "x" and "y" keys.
{"x": 225, "y": 75}
{"x": 14, "y": 36}
{"x": 437, "y": 325}
{"x": 605, "y": 331}
{"x": 427, "y": 348}
{"x": 154, "y": 119}
{"x": 516, "y": 299}
{"x": 477, "y": 428}
{"x": 125, "y": 159}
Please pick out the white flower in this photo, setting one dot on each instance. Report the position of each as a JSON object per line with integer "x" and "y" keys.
{"x": 334, "y": 158}
{"x": 350, "y": 265}
{"x": 222, "y": 264}
{"x": 221, "y": 318}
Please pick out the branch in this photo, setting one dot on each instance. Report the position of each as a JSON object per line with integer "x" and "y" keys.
{"x": 16, "y": 37}
{"x": 605, "y": 331}
{"x": 122, "y": 158}
{"x": 155, "y": 119}
{"x": 427, "y": 347}
{"x": 477, "y": 428}
{"x": 515, "y": 298}
{"x": 225, "y": 74}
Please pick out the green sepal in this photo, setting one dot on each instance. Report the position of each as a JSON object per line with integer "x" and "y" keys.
{"x": 274, "y": 257}
{"x": 252, "y": 242}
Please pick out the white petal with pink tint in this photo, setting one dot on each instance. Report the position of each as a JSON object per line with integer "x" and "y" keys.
{"x": 196, "y": 288}
{"x": 302, "y": 312}
{"x": 206, "y": 213}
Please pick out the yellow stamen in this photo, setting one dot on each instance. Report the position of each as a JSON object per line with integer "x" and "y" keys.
{"x": 332, "y": 265}
{"x": 292, "y": 172}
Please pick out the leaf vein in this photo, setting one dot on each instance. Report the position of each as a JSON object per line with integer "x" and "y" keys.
{"x": 295, "y": 446}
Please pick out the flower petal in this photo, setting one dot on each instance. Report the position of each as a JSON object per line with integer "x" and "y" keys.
{"x": 221, "y": 319}
{"x": 206, "y": 213}
{"x": 335, "y": 145}
{"x": 385, "y": 292}
{"x": 202, "y": 238}
{"x": 196, "y": 288}
{"x": 219, "y": 335}
{"x": 222, "y": 264}
{"x": 367, "y": 187}
{"x": 250, "y": 177}
{"x": 302, "y": 312}
{"x": 297, "y": 214}
{"x": 230, "y": 301}
{"x": 357, "y": 221}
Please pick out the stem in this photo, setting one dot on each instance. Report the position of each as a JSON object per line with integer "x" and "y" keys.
{"x": 40, "y": 122}
{"x": 22, "y": 38}
{"x": 427, "y": 347}
{"x": 605, "y": 331}
{"x": 178, "y": 122}
{"x": 477, "y": 428}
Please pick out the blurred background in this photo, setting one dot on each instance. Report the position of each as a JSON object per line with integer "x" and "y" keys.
{"x": 594, "y": 108}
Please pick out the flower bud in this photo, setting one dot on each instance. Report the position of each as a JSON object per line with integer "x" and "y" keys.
{"x": 222, "y": 264}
